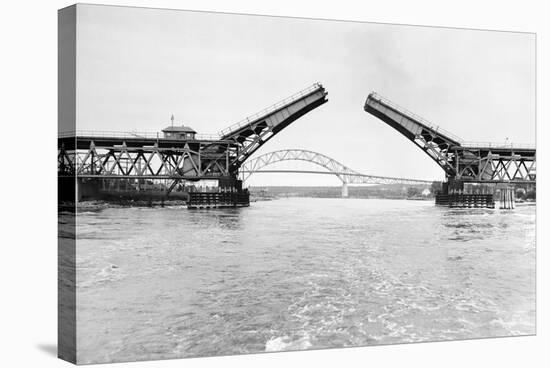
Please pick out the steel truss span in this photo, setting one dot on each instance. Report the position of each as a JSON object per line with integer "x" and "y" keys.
{"x": 88, "y": 157}
{"x": 253, "y": 132}
{"x": 474, "y": 162}
{"x": 344, "y": 173}
{"x": 148, "y": 156}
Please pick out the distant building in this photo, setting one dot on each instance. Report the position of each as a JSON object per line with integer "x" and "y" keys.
{"x": 179, "y": 132}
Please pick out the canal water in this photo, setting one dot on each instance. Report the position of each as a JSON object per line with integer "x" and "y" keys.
{"x": 299, "y": 273}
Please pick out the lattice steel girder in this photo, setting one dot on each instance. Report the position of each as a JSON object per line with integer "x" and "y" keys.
{"x": 479, "y": 162}
{"x": 189, "y": 160}
{"x": 434, "y": 142}
{"x": 255, "y": 132}
{"x": 482, "y": 164}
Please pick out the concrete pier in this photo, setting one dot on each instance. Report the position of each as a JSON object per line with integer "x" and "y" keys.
{"x": 345, "y": 190}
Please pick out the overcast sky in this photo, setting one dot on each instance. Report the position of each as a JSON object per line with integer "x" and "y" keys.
{"x": 136, "y": 67}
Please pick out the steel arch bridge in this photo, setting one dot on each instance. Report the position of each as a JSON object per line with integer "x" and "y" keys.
{"x": 333, "y": 167}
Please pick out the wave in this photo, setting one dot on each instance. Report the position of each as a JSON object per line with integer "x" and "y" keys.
{"x": 106, "y": 274}
{"x": 283, "y": 343}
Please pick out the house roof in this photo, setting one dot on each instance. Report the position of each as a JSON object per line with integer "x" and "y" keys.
{"x": 178, "y": 129}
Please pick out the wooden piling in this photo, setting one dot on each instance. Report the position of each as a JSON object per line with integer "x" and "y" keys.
{"x": 507, "y": 198}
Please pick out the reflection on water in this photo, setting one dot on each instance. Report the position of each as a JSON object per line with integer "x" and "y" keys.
{"x": 297, "y": 274}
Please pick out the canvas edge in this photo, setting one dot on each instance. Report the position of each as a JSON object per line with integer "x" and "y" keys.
{"x": 66, "y": 240}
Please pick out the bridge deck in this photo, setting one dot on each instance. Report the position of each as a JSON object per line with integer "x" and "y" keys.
{"x": 468, "y": 161}
{"x": 274, "y": 115}
{"x": 503, "y": 150}
{"x": 256, "y": 130}
{"x": 83, "y": 142}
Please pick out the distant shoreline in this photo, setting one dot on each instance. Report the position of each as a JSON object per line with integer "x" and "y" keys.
{"x": 94, "y": 205}
{"x": 97, "y": 205}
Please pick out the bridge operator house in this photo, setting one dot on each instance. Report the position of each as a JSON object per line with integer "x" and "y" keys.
{"x": 233, "y": 184}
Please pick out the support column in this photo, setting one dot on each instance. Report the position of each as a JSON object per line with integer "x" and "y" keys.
{"x": 344, "y": 190}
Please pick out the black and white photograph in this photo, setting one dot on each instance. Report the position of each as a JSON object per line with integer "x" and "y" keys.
{"x": 275, "y": 183}
{"x": 233, "y": 184}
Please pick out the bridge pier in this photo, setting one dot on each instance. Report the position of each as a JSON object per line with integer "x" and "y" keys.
{"x": 344, "y": 190}
{"x": 459, "y": 193}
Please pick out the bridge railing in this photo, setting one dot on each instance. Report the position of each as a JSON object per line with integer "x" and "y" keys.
{"x": 504, "y": 145}
{"x": 470, "y": 144}
{"x": 121, "y": 134}
{"x": 108, "y": 134}
{"x": 252, "y": 118}
{"x": 418, "y": 118}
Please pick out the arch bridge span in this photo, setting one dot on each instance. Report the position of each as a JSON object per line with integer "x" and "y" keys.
{"x": 331, "y": 166}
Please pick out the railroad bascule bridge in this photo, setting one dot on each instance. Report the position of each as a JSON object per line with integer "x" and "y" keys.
{"x": 87, "y": 161}
{"x": 329, "y": 165}
{"x": 469, "y": 167}
{"x": 91, "y": 164}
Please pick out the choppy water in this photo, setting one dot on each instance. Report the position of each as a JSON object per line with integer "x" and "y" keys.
{"x": 299, "y": 274}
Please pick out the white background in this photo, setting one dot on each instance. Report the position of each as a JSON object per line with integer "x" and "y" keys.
{"x": 28, "y": 108}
